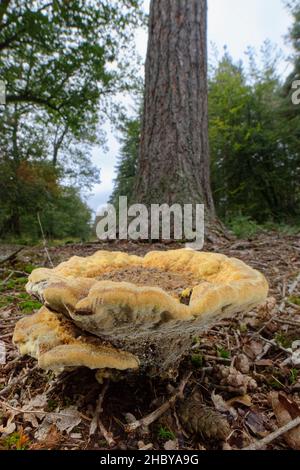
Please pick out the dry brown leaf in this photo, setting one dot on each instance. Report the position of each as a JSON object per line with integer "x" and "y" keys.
{"x": 285, "y": 411}
{"x": 38, "y": 403}
{"x": 264, "y": 363}
{"x": 255, "y": 421}
{"x": 65, "y": 420}
{"x": 171, "y": 445}
{"x": 223, "y": 406}
{"x": 10, "y": 426}
{"x": 243, "y": 400}
{"x": 50, "y": 441}
{"x": 253, "y": 349}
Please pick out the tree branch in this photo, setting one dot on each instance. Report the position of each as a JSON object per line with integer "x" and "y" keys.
{"x": 28, "y": 98}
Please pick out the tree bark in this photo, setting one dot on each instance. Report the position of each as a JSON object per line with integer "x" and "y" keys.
{"x": 173, "y": 162}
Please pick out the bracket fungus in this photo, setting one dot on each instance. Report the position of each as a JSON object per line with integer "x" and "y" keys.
{"x": 113, "y": 310}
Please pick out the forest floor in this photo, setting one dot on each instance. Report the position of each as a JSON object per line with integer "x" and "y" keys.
{"x": 243, "y": 373}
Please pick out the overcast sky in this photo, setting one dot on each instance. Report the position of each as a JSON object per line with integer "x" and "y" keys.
{"x": 234, "y": 23}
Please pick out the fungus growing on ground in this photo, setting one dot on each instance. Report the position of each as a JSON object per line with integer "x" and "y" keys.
{"x": 114, "y": 310}
{"x": 58, "y": 345}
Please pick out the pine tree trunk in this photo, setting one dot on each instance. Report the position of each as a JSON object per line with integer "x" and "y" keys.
{"x": 174, "y": 152}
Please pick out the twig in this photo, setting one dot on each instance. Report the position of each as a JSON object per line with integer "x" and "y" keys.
{"x": 44, "y": 241}
{"x": 273, "y": 343}
{"x": 294, "y": 306}
{"x": 7, "y": 278}
{"x": 6, "y": 336}
{"x": 96, "y": 421}
{"x": 48, "y": 413}
{"x": 258, "y": 332}
{"x": 11, "y": 256}
{"x": 3, "y": 270}
{"x": 287, "y": 322}
{"x": 16, "y": 381}
{"x": 149, "y": 419}
{"x": 274, "y": 435}
{"x": 208, "y": 357}
{"x": 290, "y": 292}
{"x": 294, "y": 285}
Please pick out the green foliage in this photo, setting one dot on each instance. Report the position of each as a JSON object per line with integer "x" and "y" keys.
{"x": 223, "y": 353}
{"x": 276, "y": 384}
{"x": 127, "y": 161}
{"x": 293, "y": 376}
{"x": 52, "y": 404}
{"x": 165, "y": 434}
{"x": 197, "y": 360}
{"x": 12, "y": 293}
{"x": 294, "y": 300}
{"x": 282, "y": 340}
{"x": 254, "y": 144}
{"x": 60, "y": 61}
{"x": 29, "y": 306}
{"x": 243, "y": 226}
{"x": 16, "y": 441}
{"x": 255, "y": 164}
{"x": 70, "y": 46}
{"x": 67, "y": 215}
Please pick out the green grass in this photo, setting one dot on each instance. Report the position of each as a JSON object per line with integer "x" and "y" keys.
{"x": 294, "y": 300}
{"x": 28, "y": 306}
{"x": 165, "y": 434}
{"x": 245, "y": 227}
{"x": 12, "y": 292}
{"x": 197, "y": 360}
{"x": 293, "y": 376}
{"x": 16, "y": 441}
{"x": 282, "y": 340}
{"x": 223, "y": 353}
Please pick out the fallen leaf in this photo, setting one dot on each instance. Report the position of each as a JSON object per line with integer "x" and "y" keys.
{"x": 223, "y": 406}
{"x": 43, "y": 429}
{"x": 67, "y": 419}
{"x": 143, "y": 446}
{"x": 243, "y": 400}
{"x": 253, "y": 349}
{"x": 10, "y": 426}
{"x": 8, "y": 429}
{"x": 285, "y": 411}
{"x": 76, "y": 435}
{"x": 171, "y": 445}
{"x": 36, "y": 403}
{"x": 264, "y": 363}
{"x": 255, "y": 421}
{"x": 50, "y": 441}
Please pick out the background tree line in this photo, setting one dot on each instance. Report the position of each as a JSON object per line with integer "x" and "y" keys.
{"x": 62, "y": 63}
{"x": 254, "y": 134}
